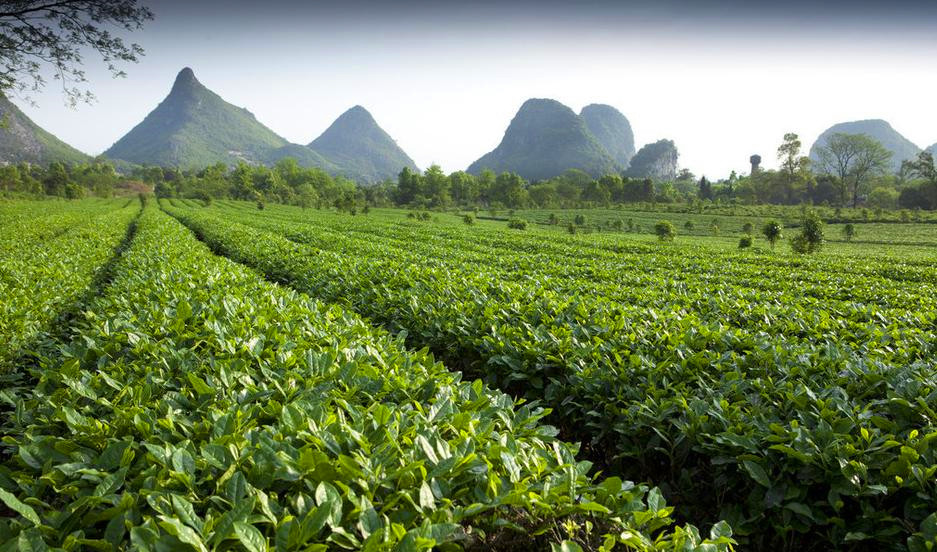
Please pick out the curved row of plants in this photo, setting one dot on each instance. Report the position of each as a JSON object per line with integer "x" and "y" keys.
{"x": 590, "y": 260}
{"x": 20, "y": 230}
{"x": 47, "y": 267}
{"x": 819, "y": 437}
{"x": 201, "y": 407}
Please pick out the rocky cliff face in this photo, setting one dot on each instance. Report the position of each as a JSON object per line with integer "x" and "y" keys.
{"x": 21, "y": 139}
{"x": 545, "y": 139}
{"x": 658, "y": 161}
{"x": 901, "y": 148}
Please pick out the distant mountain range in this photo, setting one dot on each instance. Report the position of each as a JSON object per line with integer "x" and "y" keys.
{"x": 23, "y": 140}
{"x": 194, "y": 127}
{"x": 901, "y": 148}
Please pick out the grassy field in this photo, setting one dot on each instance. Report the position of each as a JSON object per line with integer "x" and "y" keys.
{"x": 182, "y": 375}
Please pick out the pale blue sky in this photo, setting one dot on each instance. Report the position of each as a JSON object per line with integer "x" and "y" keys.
{"x": 722, "y": 79}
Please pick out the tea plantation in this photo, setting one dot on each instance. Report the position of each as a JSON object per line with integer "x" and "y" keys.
{"x": 188, "y": 376}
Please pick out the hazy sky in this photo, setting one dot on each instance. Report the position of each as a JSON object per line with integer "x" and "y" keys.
{"x": 722, "y": 79}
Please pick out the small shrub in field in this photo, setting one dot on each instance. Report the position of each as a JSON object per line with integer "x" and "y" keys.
{"x": 411, "y": 215}
{"x": 689, "y": 226}
{"x": 580, "y": 220}
{"x": 468, "y": 218}
{"x": 772, "y": 231}
{"x": 74, "y": 191}
{"x": 425, "y": 215}
{"x": 260, "y": 205}
{"x": 810, "y": 239}
{"x": 553, "y": 220}
{"x": 617, "y": 224}
{"x": 745, "y": 242}
{"x": 571, "y": 228}
{"x": 366, "y": 209}
{"x": 517, "y": 224}
{"x": 665, "y": 230}
{"x": 748, "y": 228}
{"x": 849, "y": 232}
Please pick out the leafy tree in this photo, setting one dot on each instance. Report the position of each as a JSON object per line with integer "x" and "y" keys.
{"x": 883, "y": 198}
{"x": 849, "y": 232}
{"x": 463, "y": 187}
{"x": 55, "y": 180}
{"x": 597, "y": 192}
{"x": 435, "y": 187}
{"x": 772, "y": 232}
{"x": 794, "y": 168}
{"x": 665, "y": 230}
{"x": 10, "y": 178}
{"x": 685, "y": 175}
{"x": 55, "y": 35}
{"x": 510, "y": 190}
{"x": 705, "y": 189}
{"x": 853, "y": 158}
{"x": 242, "y": 182}
{"x": 543, "y": 194}
{"x": 924, "y": 168}
{"x": 409, "y": 187}
{"x": 306, "y": 195}
{"x": 789, "y": 155}
{"x": 74, "y": 191}
{"x": 486, "y": 181}
{"x": 810, "y": 239}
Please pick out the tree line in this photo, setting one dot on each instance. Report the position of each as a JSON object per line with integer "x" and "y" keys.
{"x": 853, "y": 171}
{"x": 71, "y": 181}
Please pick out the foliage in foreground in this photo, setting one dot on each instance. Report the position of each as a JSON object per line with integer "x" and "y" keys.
{"x": 808, "y": 396}
{"x": 200, "y": 407}
{"x": 47, "y": 261}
